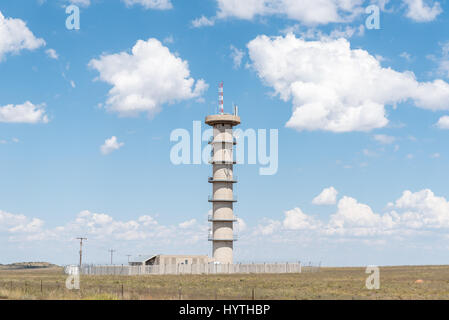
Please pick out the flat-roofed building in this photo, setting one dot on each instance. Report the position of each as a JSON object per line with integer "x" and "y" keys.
{"x": 163, "y": 259}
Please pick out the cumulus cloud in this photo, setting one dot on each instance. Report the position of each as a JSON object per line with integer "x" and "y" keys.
{"x": 358, "y": 219}
{"x": 15, "y": 36}
{"x": 423, "y": 209}
{"x": 146, "y": 79}
{"x": 422, "y": 10}
{"x": 295, "y": 219}
{"x": 151, "y": 4}
{"x": 23, "y": 113}
{"x": 102, "y": 228}
{"x": 443, "y": 122}
{"x": 413, "y": 213}
{"x": 111, "y": 145}
{"x": 267, "y": 227}
{"x": 320, "y": 76}
{"x": 15, "y": 223}
{"x": 327, "y": 197}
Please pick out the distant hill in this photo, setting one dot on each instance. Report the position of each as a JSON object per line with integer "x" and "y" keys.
{"x": 27, "y": 265}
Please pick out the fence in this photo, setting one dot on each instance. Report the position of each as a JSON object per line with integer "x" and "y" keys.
{"x": 112, "y": 288}
{"x": 175, "y": 269}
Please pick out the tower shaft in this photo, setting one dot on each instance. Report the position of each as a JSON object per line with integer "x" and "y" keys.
{"x": 222, "y": 180}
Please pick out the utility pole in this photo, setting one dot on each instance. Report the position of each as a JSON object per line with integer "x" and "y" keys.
{"x": 81, "y": 250}
{"x": 112, "y": 252}
{"x": 128, "y": 255}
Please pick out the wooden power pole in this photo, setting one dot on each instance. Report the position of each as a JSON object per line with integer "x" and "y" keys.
{"x": 112, "y": 252}
{"x": 81, "y": 250}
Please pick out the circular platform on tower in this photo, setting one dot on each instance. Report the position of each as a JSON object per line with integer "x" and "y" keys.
{"x": 222, "y": 119}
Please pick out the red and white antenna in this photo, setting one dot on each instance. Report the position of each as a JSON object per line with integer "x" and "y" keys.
{"x": 220, "y": 97}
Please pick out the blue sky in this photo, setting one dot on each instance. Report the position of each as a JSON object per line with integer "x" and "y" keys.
{"x": 361, "y": 115}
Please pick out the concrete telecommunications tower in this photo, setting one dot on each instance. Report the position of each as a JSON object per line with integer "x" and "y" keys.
{"x": 222, "y": 180}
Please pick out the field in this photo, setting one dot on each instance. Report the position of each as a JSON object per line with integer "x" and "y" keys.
{"x": 328, "y": 283}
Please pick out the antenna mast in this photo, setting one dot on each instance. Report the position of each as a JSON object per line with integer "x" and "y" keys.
{"x": 220, "y": 97}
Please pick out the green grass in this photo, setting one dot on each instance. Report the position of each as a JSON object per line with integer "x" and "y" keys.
{"x": 329, "y": 283}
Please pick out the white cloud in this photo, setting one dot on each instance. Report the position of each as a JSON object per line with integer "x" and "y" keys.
{"x": 295, "y": 219}
{"x": 422, "y": 10}
{"x": 52, "y": 54}
{"x": 423, "y": 209}
{"x": 203, "y": 22}
{"x": 320, "y": 76}
{"x": 358, "y": 219}
{"x": 15, "y": 36}
{"x": 187, "y": 224}
{"x": 317, "y": 34}
{"x": 111, "y": 145}
{"x": 151, "y": 4}
{"x": 147, "y": 221}
{"x": 443, "y": 122}
{"x": 82, "y": 3}
{"x": 146, "y": 79}
{"x": 241, "y": 225}
{"x": 309, "y": 12}
{"x": 443, "y": 61}
{"x": 237, "y": 56}
{"x": 15, "y": 223}
{"x": 414, "y": 213}
{"x": 268, "y": 227}
{"x": 23, "y": 113}
{"x": 384, "y": 139}
{"x": 327, "y": 197}
{"x": 102, "y": 228}
{"x": 313, "y": 12}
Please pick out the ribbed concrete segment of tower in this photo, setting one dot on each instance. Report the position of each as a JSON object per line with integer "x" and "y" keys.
{"x": 222, "y": 180}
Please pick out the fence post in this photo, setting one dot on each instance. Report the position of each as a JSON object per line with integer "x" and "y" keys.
{"x": 180, "y": 293}
{"x": 253, "y": 295}
{"x": 41, "y": 287}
